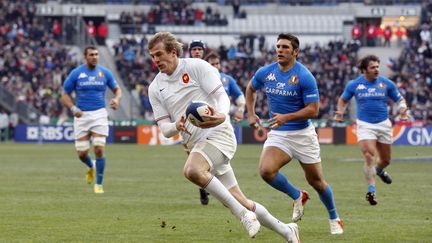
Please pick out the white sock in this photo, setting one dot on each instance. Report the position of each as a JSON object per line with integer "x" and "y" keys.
{"x": 217, "y": 190}
{"x": 269, "y": 221}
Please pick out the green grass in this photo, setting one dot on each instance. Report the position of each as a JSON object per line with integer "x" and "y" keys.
{"x": 44, "y": 198}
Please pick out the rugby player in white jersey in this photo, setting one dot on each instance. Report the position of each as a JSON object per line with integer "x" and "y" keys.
{"x": 89, "y": 82}
{"x": 213, "y": 144}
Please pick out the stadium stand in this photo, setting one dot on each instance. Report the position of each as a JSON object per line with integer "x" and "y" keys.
{"x": 34, "y": 59}
{"x": 34, "y": 63}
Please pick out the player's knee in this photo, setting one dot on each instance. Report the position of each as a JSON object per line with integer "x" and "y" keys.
{"x": 99, "y": 152}
{"x": 82, "y": 146}
{"x": 318, "y": 185}
{"x": 385, "y": 161}
{"x": 267, "y": 173}
{"x": 190, "y": 173}
{"x": 369, "y": 156}
{"x": 99, "y": 141}
{"x": 99, "y": 146}
{"x": 82, "y": 155}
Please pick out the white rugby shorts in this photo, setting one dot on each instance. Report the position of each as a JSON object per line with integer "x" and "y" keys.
{"x": 91, "y": 121}
{"x": 219, "y": 162}
{"x": 382, "y": 131}
{"x": 302, "y": 144}
{"x": 218, "y": 147}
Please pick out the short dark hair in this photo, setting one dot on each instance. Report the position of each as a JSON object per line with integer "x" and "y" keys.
{"x": 364, "y": 62}
{"x": 292, "y": 38}
{"x": 89, "y": 48}
{"x": 197, "y": 43}
{"x": 212, "y": 55}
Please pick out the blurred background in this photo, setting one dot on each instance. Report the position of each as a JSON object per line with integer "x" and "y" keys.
{"x": 42, "y": 41}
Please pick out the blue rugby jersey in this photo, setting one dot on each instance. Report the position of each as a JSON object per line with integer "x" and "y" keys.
{"x": 89, "y": 86}
{"x": 371, "y": 97}
{"x": 287, "y": 92}
{"x": 230, "y": 86}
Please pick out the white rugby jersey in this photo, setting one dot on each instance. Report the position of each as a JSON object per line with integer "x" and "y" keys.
{"x": 193, "y": 80}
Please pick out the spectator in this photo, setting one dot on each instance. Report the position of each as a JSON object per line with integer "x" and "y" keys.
{"x": 91, "y": 29}
{"x": 387, "y": 35}
{"x": 371, "y": 35}
{"x": 57, "y": 30}
{"x": 400, "y": 34}
{"x": 70, "y": 32}
{"x": 236, "y": 8}
{"x": 102, "y": 33}
{"x": 13, "y": 123}
{"x": 356, "y": 32}
{"x": 4, "y": 124}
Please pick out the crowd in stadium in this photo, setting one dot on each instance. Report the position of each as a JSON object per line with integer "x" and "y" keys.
{"x": 172, "y": 13}
{"x": 33, "y": 64}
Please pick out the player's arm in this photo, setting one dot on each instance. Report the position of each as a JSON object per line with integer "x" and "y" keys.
{"x": 67, "y": 101}
{"x": 170, "y": 129}
{"x": 396, "y": 96}
{"x": 340, "y": 109}
{"x": 239, "y": 99}
{"x": 113, "y": 85}
{"x": 114, "y": 103}
{"x": 403, "y": 109}
{"x": 251, "y": 97}
{"x": 310, "y": 96}
{"x": 209, "y": 79}
{"x": 220, "y": 112}
{"x": 310, "y": 110}
{"x": 343, "y": 101}
{"x": 240, "y": 104}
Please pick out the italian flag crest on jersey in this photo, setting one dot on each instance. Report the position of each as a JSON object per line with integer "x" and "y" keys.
{"x": 293, "y": 80}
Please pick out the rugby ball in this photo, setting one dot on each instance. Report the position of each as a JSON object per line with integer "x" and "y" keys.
{"x": 195, "y": 112}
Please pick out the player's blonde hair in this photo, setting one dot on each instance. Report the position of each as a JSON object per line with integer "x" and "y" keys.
{"x": 169, "y": 40}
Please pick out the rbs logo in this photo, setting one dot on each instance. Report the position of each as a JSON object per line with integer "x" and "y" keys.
{"x": 50, "y": 133}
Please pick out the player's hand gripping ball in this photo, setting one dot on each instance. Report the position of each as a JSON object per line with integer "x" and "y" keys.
{"x": 195, "y": 112}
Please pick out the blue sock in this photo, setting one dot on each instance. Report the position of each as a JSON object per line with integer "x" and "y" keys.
{"x": 371, "y": 188}
{"x": 88, "y": 161}
{"x": 281, "y": 183}
{"x": 100, "y": 167}
{"x": 328, "y": 200}
{"x": 379, "y": 170}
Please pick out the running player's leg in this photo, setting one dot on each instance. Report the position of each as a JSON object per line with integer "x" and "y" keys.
{"x": 315, "y": 177}
{"x": 82, "y": 146}
{"x": 384, "y": 153}
{"x": 368, "y": 149}
{"x": 197, "y": 170}
{"x": 272, "y": 159}
{"x": 99, "y": 142}
{"x": 288, "y": 231}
